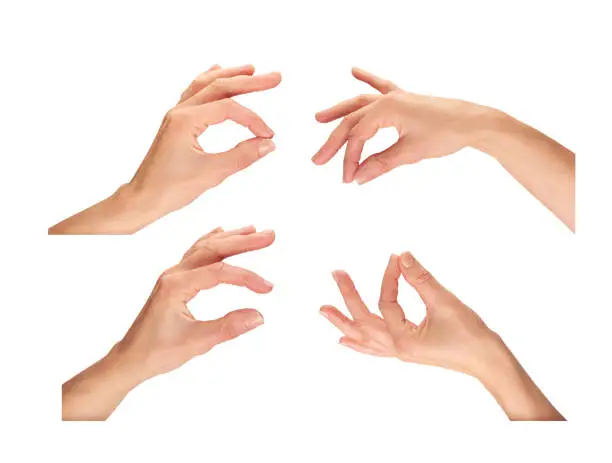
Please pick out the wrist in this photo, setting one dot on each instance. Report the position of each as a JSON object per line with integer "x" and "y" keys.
{"x": 123, "y": 374}
{"x": 93, "y": 394}
{"x": 495, "y": 362}
{"x": 512, "y": 388}
{"x": 490, "y": 127}
{"x": 125, "y": 211}
{"x": 133, "y": 208}
{"x": 488, "y": 355}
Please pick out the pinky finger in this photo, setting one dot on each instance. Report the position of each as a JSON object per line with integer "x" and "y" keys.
{"x": 357, "y": 346}
{"x": 340, "y": 321}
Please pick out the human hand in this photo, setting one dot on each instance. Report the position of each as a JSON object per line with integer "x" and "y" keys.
{"x": 165, "y": 334}
{"x": 450, "y": 336}
{"x": 177, "y": 170}
{"x": 428, "y": 127}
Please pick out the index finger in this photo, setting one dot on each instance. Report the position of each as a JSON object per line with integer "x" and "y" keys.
{"x": 222, "y": 110}
{"x": 392, "y": 312}
{"x": 380, "y": 84}
{"x": 338, "y": 137}
{"x": 188, "y": 283}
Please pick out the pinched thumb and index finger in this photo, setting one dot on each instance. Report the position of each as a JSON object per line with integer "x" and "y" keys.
{"x": 243, "y": 155}
{"x": 226, "y": 328}
{"x": 428, "y": 288}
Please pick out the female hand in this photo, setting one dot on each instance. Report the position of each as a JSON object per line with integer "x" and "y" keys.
{"x": 165, "y": 334}
{"x": 177, "y": 170}
{"x": 431, "y": 127}
{"x": 428, "y": 127}
{"x": 450, "y": 336}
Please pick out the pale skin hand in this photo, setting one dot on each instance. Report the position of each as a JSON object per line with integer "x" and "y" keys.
{"x": 450, "y": 336}
{"x": 165, "y": 334}
{"x": 177, "y": 170}
{"x": 431, "y": 127}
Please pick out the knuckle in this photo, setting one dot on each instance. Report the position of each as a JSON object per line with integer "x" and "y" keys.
{"x": 220, "y": 85}
{"x": 364, "y": 99}
{"x": 349, "y": 121}
{"x": 390, "y": 99}
{"x": 166, "y": 280}
{"x": 209, "y": 248}
{"x": 406, "y": 349}
{"x": 228, "y": 103}
{"x": 381, "y": 162}
{"x": 175, "y": 116}
{"x": 423, "y": 276}
{"x": 229, "y": 329}
{"x": 242, "y": 163}
{"x": 388, "y": 84}
{"x": 244, "y": 160}
{"x": 216, "y": 268}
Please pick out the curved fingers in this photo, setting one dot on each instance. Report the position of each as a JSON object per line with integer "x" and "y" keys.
{"x": 216, "y": 249}
{"x": 232, "y": 86}
{"x": 207, "y": 334}
{"x": 380, "y": 84}
{"x": 224, "y": 234}
{"x": 189, "y": 282}
{"x": 338, "y": 137}
{"x": 428, "y": 288}
{"x": 240, "y": 156}
{"x": 354, "y": 303}
{"x": 217, "y": 233}
{"x": 213, "y": 73}
{"x": 378, "y": 164}
{"x": 365, "y": 129}
{"x": 352, "y": 156}
{"x": 340, "y": 321}
{"x": 392, "y": 312}
{"x": 345, "y": 108}
{"x": 222, "y": 110}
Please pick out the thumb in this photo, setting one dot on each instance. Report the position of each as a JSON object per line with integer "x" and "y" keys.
{"x": 379, "y": 163}
{"x": 232, "y": 325}
{"x": 244, "y": 154}
{"x": 428, "y": 288}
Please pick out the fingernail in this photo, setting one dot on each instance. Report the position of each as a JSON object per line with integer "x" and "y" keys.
{"x": 267, "y": 232}
{"x": 268, "y": 283}
{"x": 266, "y": 147}
{"x": 407, "y": 260}
{"x": 256, "y": 321}
{"x": 360, "y": 178}
{"x": 324, "y": 314}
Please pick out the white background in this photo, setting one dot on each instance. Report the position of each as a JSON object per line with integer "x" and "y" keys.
{"x": 85, "y": 91}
